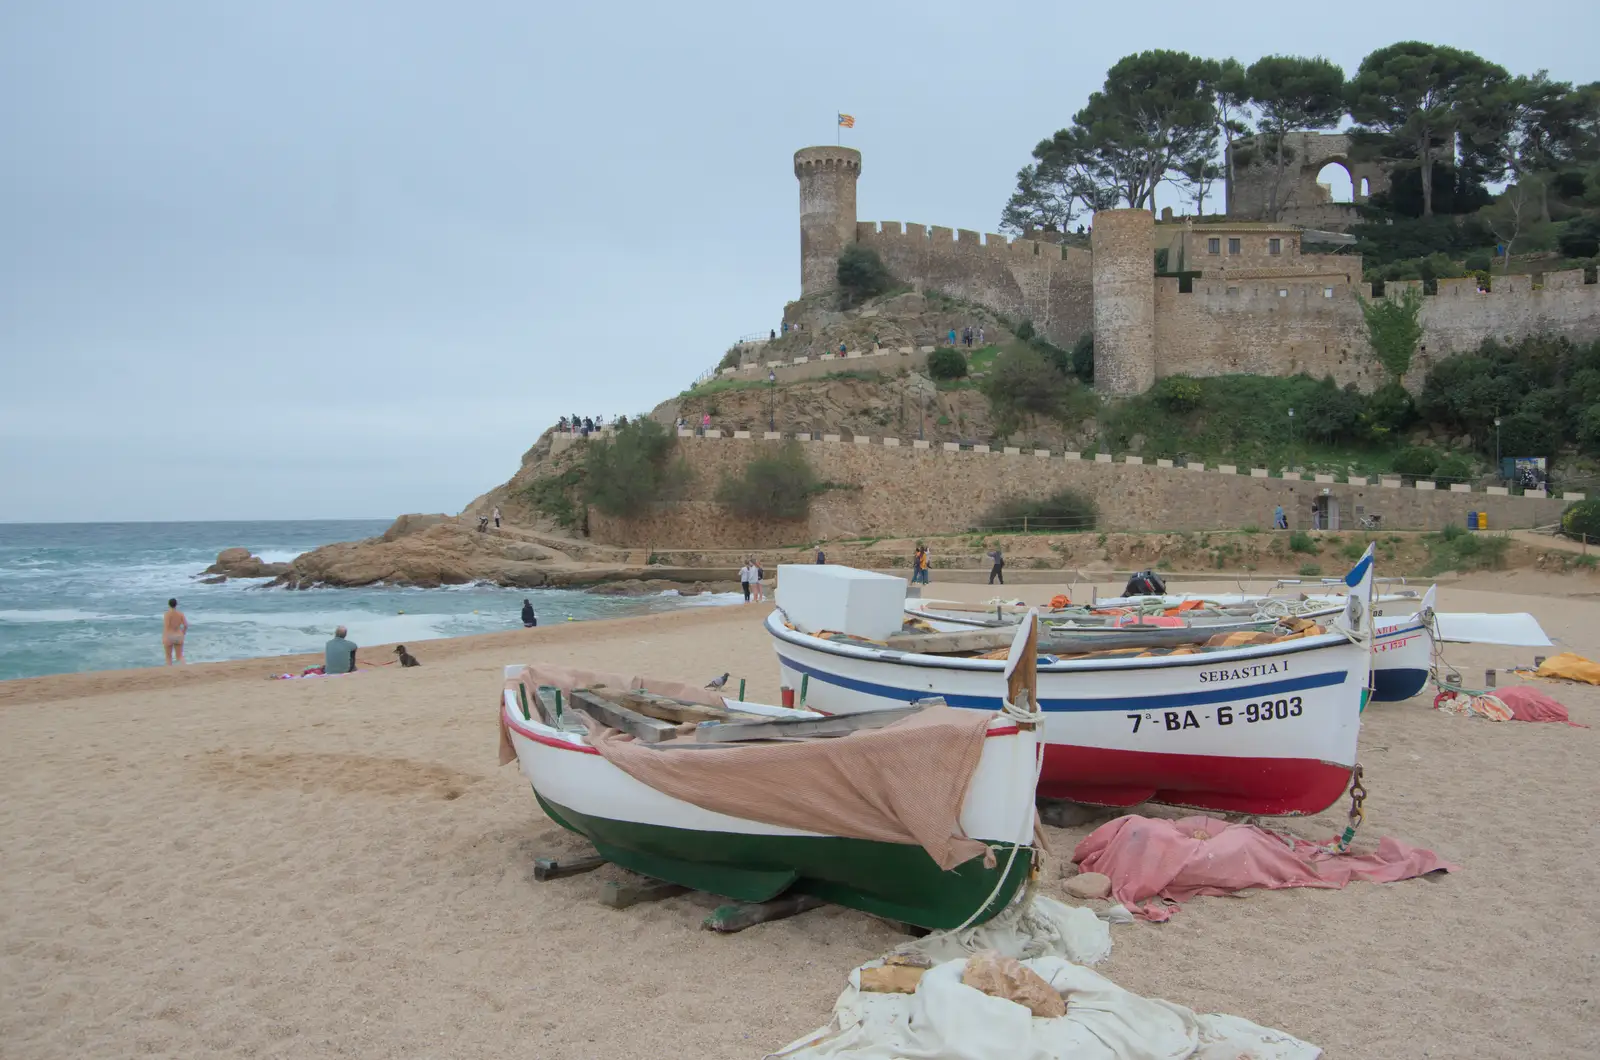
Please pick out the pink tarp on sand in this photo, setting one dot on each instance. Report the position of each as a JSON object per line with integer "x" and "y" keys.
{"x": 1527, "y": 703}
{"x": 1176, "y": 860}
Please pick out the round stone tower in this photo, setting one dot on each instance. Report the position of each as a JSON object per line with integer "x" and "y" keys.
{"x": 1124, "y": 301}
{"x": 827, "y": 178}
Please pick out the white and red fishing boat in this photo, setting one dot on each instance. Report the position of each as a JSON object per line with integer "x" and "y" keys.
{"x": 1267, "y": 728}
{"x": 1402, "y": 646}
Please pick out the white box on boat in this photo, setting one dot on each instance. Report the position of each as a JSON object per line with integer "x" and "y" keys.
{"x": 862, "y": 603}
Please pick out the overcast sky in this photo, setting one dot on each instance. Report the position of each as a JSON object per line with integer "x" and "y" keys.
{"x": 319, "y": 259}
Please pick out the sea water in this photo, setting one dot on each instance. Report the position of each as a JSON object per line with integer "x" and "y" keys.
{"x": 89, "y": 596}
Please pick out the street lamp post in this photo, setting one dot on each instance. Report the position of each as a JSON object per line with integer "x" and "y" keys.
{"x": 772, "y": 401}
{"x": 1291, "y": 438}
{"x": 1497, "y": 472}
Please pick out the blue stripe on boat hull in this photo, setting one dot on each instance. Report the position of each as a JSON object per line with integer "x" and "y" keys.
{"x": 1165, "y": 702}
{"x": 1392, "y": 686}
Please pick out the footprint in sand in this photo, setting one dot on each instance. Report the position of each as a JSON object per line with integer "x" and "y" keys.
{"x": 345, "y": 774}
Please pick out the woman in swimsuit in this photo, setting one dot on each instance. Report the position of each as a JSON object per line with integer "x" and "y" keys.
{"x": 174, "y": 625}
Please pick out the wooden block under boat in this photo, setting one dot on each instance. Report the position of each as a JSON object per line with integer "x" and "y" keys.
{"x": 616, "y": 716}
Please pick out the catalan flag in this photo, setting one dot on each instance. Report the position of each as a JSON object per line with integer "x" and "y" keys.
{"x": 847, "y": 120}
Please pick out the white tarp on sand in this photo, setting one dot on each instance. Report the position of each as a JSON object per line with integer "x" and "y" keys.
{"x": 948, "y": 1020}
{"x": 1519, "y": 630}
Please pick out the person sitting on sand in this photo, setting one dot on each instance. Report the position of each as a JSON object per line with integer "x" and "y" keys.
{"x": 529, "y": 619}
{"x": 339, "y": 655}
{"x": 174, "y": 627}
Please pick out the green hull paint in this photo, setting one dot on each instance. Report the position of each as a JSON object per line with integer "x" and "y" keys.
{"x": 892, "y": 880}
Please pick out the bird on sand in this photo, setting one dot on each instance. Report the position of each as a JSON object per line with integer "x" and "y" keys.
{"x": 716, "y": 683}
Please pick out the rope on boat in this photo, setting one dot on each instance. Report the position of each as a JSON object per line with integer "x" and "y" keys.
{"x": 1023, "y": 713}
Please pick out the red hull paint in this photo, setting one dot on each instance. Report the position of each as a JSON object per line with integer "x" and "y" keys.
{"x": 1270, "y": 786}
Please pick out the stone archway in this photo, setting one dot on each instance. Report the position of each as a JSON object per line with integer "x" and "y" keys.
{"x": 1333, "y": 181}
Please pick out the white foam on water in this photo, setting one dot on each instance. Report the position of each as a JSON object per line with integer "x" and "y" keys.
{"x": 64, "y": 614}
{"x": 713, "y": 599}
{"x": 277, "y": 555}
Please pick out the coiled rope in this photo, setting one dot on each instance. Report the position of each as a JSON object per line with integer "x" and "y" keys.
{"x": 1023, "y": 713}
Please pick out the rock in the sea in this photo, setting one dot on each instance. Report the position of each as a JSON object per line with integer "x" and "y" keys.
{"x": 239, "y": 563}
{"x": 1089, "y": 885}
{"x": 626, "y": 587}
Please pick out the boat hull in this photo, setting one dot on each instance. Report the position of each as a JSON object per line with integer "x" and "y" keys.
{"x": 652, "y": 833}
{"x": 1402, "y": 659}
{"x": 1268, "y": 729}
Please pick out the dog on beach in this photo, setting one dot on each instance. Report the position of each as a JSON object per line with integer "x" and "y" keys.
{"x": 406, "y": 658}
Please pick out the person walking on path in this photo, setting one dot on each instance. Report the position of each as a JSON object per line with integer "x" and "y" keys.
{"x": 529, "y": 619}
{"x": 705, "y": 423}
{"x": 744, "y": 580}
{"x": 980, "y": 336}
{"x": 952, "y": 336}
{"x": 174, "y": 627}
{"x": 821, "y": 559}
{"x": 998, "y": 570}
{"x": 1279, "y": 520}
{"x": 496, "y": 514}
{"x": 339, "y": 654}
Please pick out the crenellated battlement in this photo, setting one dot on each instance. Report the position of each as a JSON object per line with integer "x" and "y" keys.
{"x": 1249, "y": 299}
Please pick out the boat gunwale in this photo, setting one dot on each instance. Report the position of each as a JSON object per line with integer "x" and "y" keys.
{"x": 531, "y": 729}
{"x": 775, "y": 627}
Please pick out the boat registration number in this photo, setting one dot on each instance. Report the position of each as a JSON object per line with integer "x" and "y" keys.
{"x": 1250, "y": 714}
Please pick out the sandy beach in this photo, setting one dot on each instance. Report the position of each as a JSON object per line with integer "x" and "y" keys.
{"x": 202, "y": 862}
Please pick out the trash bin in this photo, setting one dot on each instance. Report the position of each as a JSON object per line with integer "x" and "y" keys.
{"x": 1472, "y": 520}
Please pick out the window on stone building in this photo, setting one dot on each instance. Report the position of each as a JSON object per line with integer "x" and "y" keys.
{"x": 1274, "y": 246}
{"x": 1213, "y": 246}
{"x": 1233, "y": 290}
{"x": 1327, "y": 292}
{"x": 1283, "y": 292}
{"x": 1233, "y": 246}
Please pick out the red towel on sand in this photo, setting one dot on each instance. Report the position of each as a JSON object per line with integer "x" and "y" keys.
{"x": 1176, "y": 860}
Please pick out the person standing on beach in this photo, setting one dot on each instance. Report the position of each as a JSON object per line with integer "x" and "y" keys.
{"x": 174, "y": 627}
{"x": 497, "y": 517}
{"x": 998, "y": 570}
{"x": 529, "y": 619}
{"x": 744, "y": 579}
{"x": 757, "y": 584}
{"x": 339, "y": 654}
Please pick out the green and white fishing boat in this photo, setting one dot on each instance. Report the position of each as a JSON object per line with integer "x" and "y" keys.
{"x": 670, "y": 837}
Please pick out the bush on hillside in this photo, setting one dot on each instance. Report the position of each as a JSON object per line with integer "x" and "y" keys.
{"x": 1479, "y": 262}
{"x": 1302, "y": 542}
{"x": 1582, "y": 520}
{"x": 1418, "y": 461}
{"x": 862, "y": 274}
{"x": 777, "y": 485}
{"x": 1389, "y": 410}
{"x": 1178, "y": 393}
{"x": 1063, "y": 512}
{"x": 1581, "y": 237}
{"x": 1022, "y": 381}
{"x": 1529, "y": 434}
{"x": 626, "y": 474}
{"x": 1025, "y": 331}
{"x": 1452, "y": 468}
{"x": 1083, "y": 358}
{"x": 946, "y": 362}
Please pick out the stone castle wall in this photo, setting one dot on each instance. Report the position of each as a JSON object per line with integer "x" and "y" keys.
{"x": 917, "y": 488}
{"x": 1024, "y": 279}
{"x": 1288, "y": 325}
{"x": 1254, "y": 312}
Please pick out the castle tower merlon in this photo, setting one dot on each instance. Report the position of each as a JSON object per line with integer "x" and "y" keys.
{"x": 827, "y": 177}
